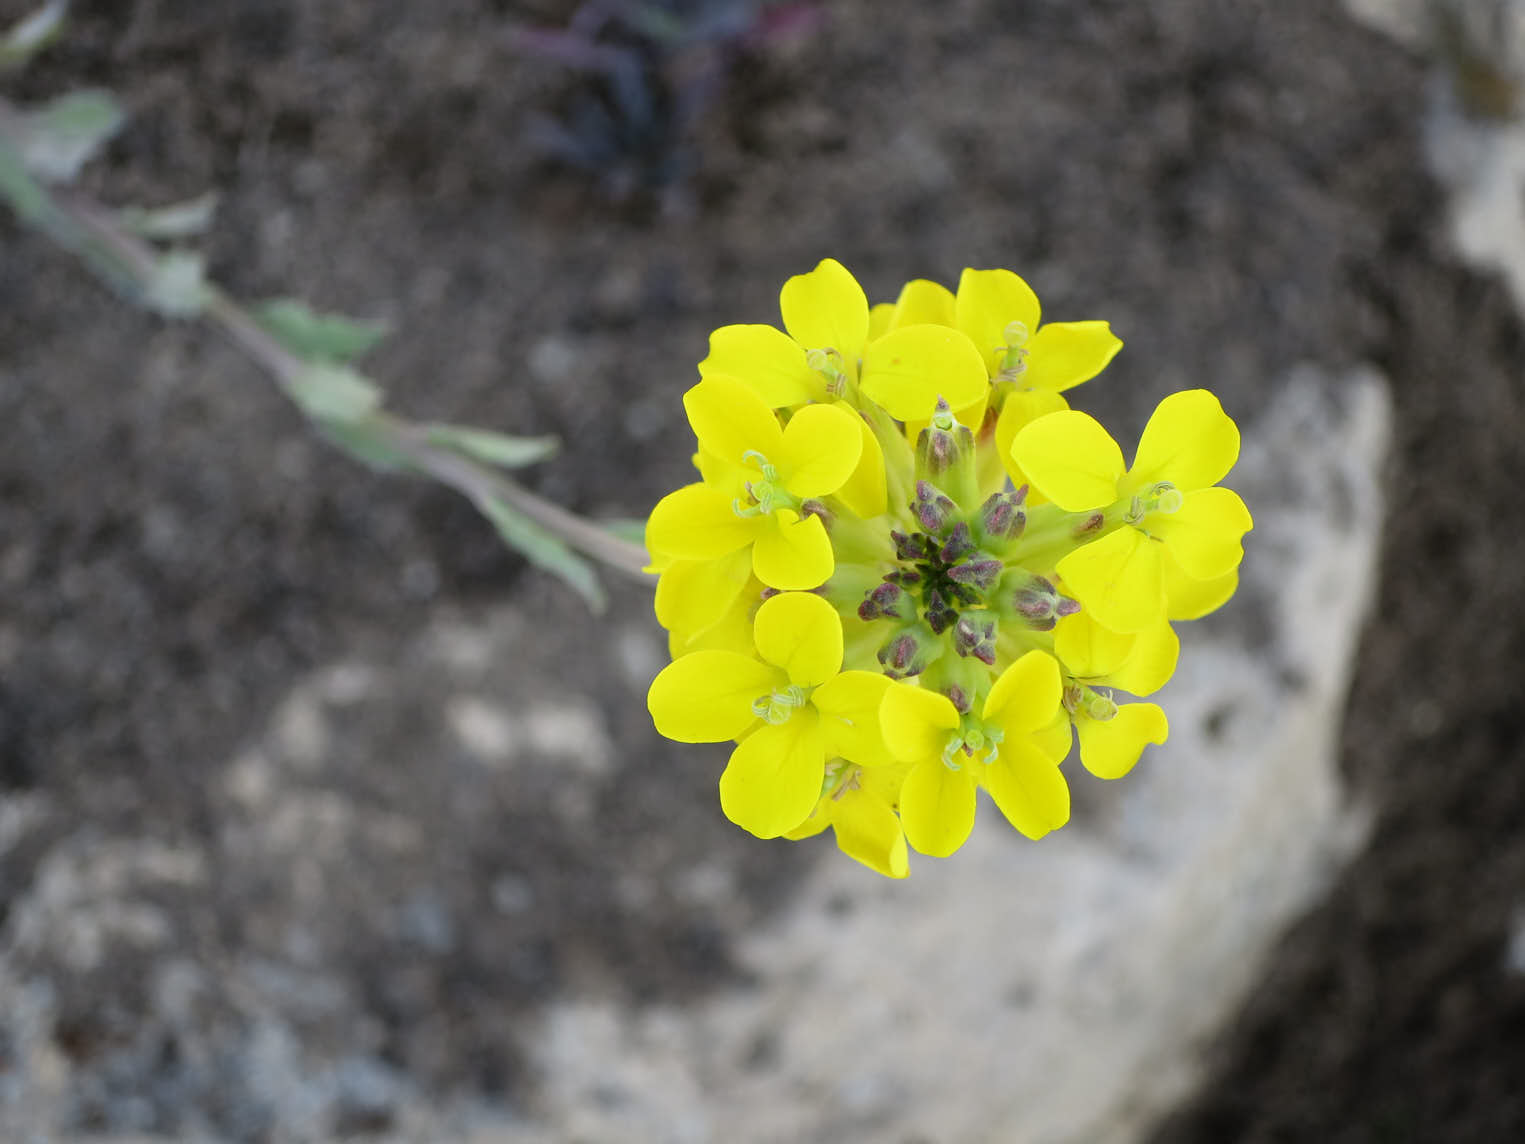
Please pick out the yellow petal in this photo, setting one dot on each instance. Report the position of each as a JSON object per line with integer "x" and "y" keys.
{"x": 849, "y": 705}
{"x": 1204, "y": 534}
{"x": 820, "y": 450}
{"x": 1054, "y": 740}
{"x": 908, "y": 369}
{"x": 1118, "y": 579}
{"x": 697, "y": 522}
{"x": 1109, "y": 749}
{"x": 987, "y": 302}
{"x": 707, "y": 696}
{"x": 694, "y": 594}
{"x": 1061, "y": 355}
{"x": 1189, "y": 442}
{"x": 1026, "y": 695}
{"x": 801, "y": 633}
{"x": 865, "y": 492}
{"x": 869, "y": 830}
{"x": 1188, "y": 599}
{"x": 768, "y": 360}
{"x": 827, "y": 309}
{"x": 1151, "y": 661}
{"x": 773, "y": 780}
{"x": 1070, "y": 459}
{"x": 731, "y": 632}
{"x": 792, "y": 553}
{"x": 879, "y": 318}
{"x": 937, "y": 808}
{"x": 916, "y": 722}
{"x": 730, "y": 420}
{"x": 922, "y": 302}
{"x": 1088, "y": 650}
{"x": 1029, "y": 788}
{"x": 1020, "y": 410}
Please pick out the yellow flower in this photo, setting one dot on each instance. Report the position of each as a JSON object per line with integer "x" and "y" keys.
{"x": 757, "y": 476}
{"x": 909, "y": 571}
{"x": 1166, "y": 502}
{"x": 790, "y": 706}
{"x": 1000, "y": 314}
{"x": 859, "y": 805}
{"x": 951, "y": 756}
{"x": 826, "y": 353}
{"x": 1112, "y": 736}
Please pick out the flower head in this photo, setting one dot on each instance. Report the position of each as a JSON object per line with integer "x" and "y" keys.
{"x": 908, "y": 572}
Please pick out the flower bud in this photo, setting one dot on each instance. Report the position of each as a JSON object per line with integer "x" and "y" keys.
{"x": 887, "y": 600}
{"x": 945, "y": 453}
{"x": 909, "y": 651}
{"x": 1035, "y": 601}
{"x": 933, "y": 510}
{"x": 940, "y": 611}
{"x": 958, "y": 545}
{"x": 1003, "y": 516}
{"x": 979, "y": 573}
{"x": 975, "y": 637}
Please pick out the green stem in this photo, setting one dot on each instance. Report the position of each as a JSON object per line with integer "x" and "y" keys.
{"x": 92, "y": 233}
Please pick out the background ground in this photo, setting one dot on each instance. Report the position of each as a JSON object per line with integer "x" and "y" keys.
{"x": 1236, "y": 192}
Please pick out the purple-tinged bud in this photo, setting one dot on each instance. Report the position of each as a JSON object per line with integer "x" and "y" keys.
{"x": 958, "y": 545}
{"x": 959, "y": 698}
{"x": 978, "y": 574}
{"x": 905, "y": 577}
{"x": 1038, "y": 603}
{"x": 817, "y": 508}
{"x": 1002, "y": 516}
{"x": 933, "y": 510}
{"x": 909, "y": 652}
{"x": 888, "y": 600}
{"x": 945, "y": 453}
{"x": 975, "y": 637}
{"x": 940, "y": 612}
{"x": 909, "y": 547}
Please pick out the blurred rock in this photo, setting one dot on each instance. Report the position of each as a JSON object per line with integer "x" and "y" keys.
{"x": 1058, "y": 991}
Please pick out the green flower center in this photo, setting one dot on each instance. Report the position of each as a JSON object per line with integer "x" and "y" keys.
{"x": 1163, "y": 497}
{"x": 973, "y": 739}
{"x": 764, "y": 496}
{"x": 780, "y": 704}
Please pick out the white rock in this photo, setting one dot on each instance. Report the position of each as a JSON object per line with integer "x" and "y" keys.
{"x": 1056, "y": 991}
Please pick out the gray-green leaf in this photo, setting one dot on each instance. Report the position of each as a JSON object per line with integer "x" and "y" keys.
{"x": 178, "y": 288}
{"x": 32, "y": 34}
{"x": 318, "y": 337}
{"x": 65, "y": 134}
{"x": 493, "y": 448}
{"x": 545, "y": 550}
{"x": 367, "y": 443}
{"x": 334, "y": 393}
{"x": 178, "y": 220}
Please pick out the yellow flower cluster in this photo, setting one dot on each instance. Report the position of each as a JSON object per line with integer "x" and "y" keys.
{"x": 909, "y": 570}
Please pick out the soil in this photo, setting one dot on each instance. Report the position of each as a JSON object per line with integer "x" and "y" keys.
{"x": 1237, "y": 188}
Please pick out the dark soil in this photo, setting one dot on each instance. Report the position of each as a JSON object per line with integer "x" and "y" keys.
{"x": 1237, "y": 187}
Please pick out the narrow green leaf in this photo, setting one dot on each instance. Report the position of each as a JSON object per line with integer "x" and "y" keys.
{"x": 28, "y": 198}
{"x": 318, "y": 337}
{"x": 66, "y": 133}
{"x": 367, "y": 443}
{"x": 544, "y": 549}
{"x": 178, "y": 288}
{"x": 178, "y": 220}
{"x": 33, "y": 33}
{"x": 334, "y": 394}
{"x": 493, "y": 448}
